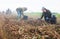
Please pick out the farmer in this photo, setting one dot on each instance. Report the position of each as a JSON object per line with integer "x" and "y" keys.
{"x": 20, "y": 12}
{"x": 46, "y": 14}
{"x": 49, "y": 18}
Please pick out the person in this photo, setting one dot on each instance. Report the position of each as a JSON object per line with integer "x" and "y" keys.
{"x": 19, "y": 12}
{"x": 46, "y": 14}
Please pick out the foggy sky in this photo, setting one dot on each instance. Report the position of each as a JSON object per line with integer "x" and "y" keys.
{"x": 32, "y": 5}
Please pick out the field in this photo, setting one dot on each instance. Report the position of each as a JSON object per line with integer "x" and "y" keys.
{"x": 38, "y": 14}
{"x": 11, "y": 28}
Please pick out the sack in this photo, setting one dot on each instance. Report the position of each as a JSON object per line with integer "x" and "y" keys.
{"x": 53, "y": 19}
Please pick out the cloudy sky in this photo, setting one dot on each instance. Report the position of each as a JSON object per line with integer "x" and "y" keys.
{"x": 32, "y": 5}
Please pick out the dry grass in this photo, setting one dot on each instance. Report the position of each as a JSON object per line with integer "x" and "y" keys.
{"x": 27, "y": 29}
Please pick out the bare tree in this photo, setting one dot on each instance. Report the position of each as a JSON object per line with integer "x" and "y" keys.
{"x": 8, "y": 11}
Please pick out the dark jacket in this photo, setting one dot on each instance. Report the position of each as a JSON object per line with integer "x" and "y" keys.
{"x": 46, "y": 14}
